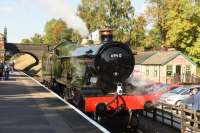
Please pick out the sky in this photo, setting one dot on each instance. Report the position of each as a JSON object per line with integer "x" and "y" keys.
{"x": 24, "y": 18}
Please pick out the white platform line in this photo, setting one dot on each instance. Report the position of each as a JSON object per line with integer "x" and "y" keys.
{"x": 73, "y": 107}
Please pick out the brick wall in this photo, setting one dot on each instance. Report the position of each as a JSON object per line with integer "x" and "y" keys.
{"x": 2, "y": 47}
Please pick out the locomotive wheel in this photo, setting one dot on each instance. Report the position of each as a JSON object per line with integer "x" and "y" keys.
{"x": 68, "y": 94}
{"x": 51, "y": 85}
{"x": 58, "y": 89}
{"x": 133, "y": 123}
{"x": 62, "y": 91}
{"x": 54, "y": 85}
{"x": 77, "y": 99}
{"x": 45, "y": 83}
{"x": 149, "y": 106}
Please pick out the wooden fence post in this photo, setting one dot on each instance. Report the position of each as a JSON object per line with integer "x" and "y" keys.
{"x": 171, "y": 116}
{"x": 154, "y": 114}
{"x": 162, "y": 113}
{"x": 183, "y": 122}
{"x": 195, "y": 126}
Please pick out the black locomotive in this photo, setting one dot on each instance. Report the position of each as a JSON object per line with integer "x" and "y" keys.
{"x": 92, "y": 77}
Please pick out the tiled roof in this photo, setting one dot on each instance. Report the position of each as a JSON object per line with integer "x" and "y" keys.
{"x": 142, "y": 56}
{"x": 158, "y": 58}
{"x": 161, "y": 57}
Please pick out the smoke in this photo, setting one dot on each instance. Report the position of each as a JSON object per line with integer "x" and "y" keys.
{"x": 142, "y": 86}
{"x": 63, "y": 9}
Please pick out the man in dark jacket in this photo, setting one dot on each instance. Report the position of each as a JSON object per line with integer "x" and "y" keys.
{"x": 6, "y": 71}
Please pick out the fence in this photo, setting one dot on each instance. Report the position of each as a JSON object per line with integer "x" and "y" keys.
{"x": 190, "y": 120}
{"x": 181, "y": 118}
{"x": 192, "y": 79}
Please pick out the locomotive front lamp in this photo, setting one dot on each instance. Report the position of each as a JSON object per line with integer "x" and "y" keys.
{"x": 116, "y": 74}
{"x": 119, "y": 89}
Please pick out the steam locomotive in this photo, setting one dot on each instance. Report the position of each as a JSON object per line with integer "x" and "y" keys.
{"x": 92, "y": 77}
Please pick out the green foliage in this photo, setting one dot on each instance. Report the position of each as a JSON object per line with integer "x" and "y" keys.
{"x": 116, "y": 14}
{"x": 152, "y": 39}
{"x": 137, "y": 38}
{"x": 194, "y": 51}
{"x": 93, "y": 12}
{"x": 177, "y": 23}
{"x": 26, "y": 41}
{"x": 56, "y": 30}
{"x": 36, "y": 39}
{"x": 174, "y": 20}
{"x": 174, "y": 23}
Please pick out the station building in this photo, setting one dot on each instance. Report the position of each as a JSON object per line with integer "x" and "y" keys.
{"x": 165, "y": 67}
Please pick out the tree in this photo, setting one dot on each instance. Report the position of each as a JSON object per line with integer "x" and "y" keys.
{"x": 37, "y": 39}
{"x": 152, "y": 39}
{"x": 194, "y": 51}
{"x": 55, "y": 30}
{"x": 137, "y": 36}
{"x": 156, "y": 13}
{"x": 93, "y": 12}
{"x": 116, "y": 14}
{"x": 121, "y": 18}
{"x": 26, "y": 41}
{"x": 183, "y": 30}
{"x": 178, "y": 22}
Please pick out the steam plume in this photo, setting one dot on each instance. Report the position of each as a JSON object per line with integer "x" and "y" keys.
{"x": 142, "y": 86}
{"x": 63, "y": 9}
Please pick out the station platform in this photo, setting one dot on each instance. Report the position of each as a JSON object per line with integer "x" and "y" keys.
{"x": 27, "y": 107}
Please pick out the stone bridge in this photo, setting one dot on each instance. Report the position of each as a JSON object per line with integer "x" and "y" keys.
{"x": 34, "y": 50}
{"x": 6, "y": 48}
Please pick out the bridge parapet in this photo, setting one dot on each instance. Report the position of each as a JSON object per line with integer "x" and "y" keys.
{"x": 33, "y": 49}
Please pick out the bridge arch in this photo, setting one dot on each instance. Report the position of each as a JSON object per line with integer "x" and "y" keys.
{"x": 35, "y": 57}
{"x": 34, "y": 50}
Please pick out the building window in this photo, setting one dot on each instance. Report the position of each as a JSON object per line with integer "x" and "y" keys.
{"x": 155, "y": 73}
{"x": 188, "y": 70}
{"x": 169, "y": 70}
{"x": 147, "y": 72}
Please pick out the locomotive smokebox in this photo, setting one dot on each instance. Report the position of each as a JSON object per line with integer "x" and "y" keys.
{"x": 114, "y": 62}
{"x": 106, "y": 35}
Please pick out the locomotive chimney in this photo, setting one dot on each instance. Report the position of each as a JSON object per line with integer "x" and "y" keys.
{"x": 106, "y": 35}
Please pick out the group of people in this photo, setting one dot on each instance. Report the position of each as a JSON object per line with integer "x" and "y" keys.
{"x": 5, "y": 69}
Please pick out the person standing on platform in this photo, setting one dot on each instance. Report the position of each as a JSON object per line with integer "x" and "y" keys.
{"x": 6, "y": 71}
